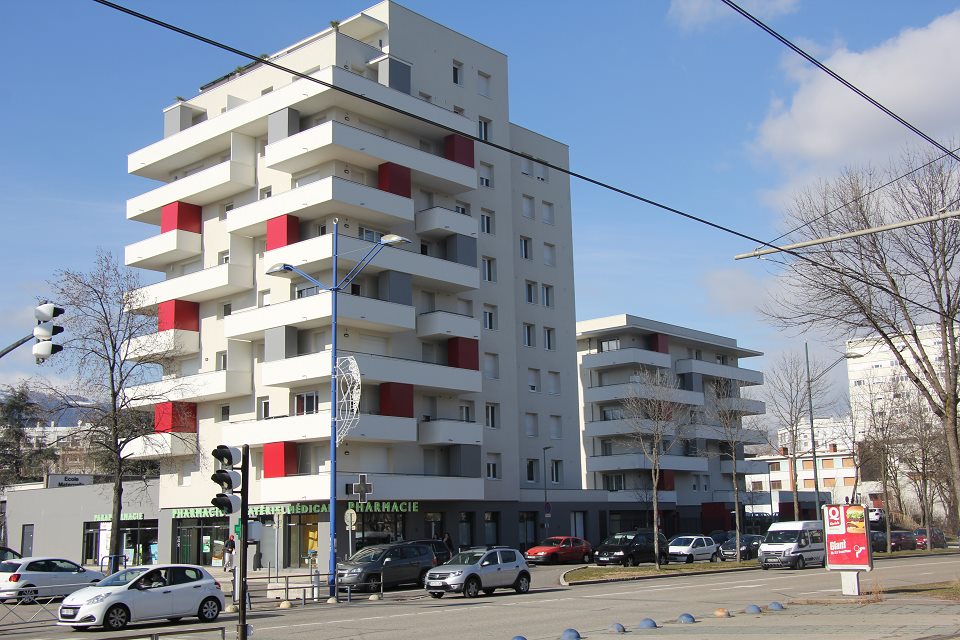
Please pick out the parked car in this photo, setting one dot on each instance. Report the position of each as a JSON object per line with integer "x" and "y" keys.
{"x": 630, "y": 548}
{"x": 903, "y": 541}
{"x": 878, "y": 541}
{"x": 479, "y": 570}
{"x": 560, "y": 549}
{"x": 876, "y": 515}
{"x": 27, "y": 579}
{"x": 691, "y": 548}
{"x": 749, "y": 547}
{"x": 793, "y": 544}
{"x": 6, "y": 553}
{"x": 392, "y": 564}
{"x": 439, "y": 549}
{"x": 720, "y": 536}
{"x": 936, "y": 537}
{"x": 169, "y": 591}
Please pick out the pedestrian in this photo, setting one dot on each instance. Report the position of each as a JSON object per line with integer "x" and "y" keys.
{"x": 447, "y": 542}
{"x": 228, "y": 548}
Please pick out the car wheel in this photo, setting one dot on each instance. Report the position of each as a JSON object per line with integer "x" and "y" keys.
{"x": 422, "y": 580}
{"x": 586, "y": 558}
{"x": 631, "y": 561}
{"x": 690, "y": 559}
{"x": 553, "y": 559}
{"x": 209, "y": 610}
{"x": 436, "y": 594}
{"x": 488, "y": 591}
{"x": 664, "y": 559}
{"x": 374, "y": 584}
{"x": 723, "y": 558}
{"x": 522, "y": 585}
{"x": 116, "y": 618}
{"x": 715, "y": 557}
{"x": 28, "y": 595}
{"x": 801, "y": 563}
{"x": 471, "y": 588}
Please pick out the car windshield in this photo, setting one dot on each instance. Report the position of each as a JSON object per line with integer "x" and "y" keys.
{"x": 467, "y": 557}
{"x": 731, "y": 543}
{"x": 368, "y": 554}
{"x": 552, "y": 542}
{"x": 619, "y": 539}
{"x": 121, "y": 578}
{"x": 920, "y": 532}
{"x": 9, "y": 567}
{"x": 783, "y": 535}
{"x": 681, "y": 542}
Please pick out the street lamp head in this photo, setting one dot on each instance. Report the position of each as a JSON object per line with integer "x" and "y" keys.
{"x": 282, "y": 269}
{"x": 392, "y": 238}
{"x": 549, "y": 446}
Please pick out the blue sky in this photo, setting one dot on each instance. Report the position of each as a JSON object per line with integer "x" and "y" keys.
{"x": 683, "y": 102}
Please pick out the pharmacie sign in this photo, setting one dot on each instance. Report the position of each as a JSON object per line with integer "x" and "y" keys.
{"x": 847, "y": 537}
{"x": 106, "y": 517}
{"x": 297, "y": 508}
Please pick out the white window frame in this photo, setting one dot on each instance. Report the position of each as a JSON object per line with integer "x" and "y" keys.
{"x": 491, "y": 415}
{"x": 549, "y": 338}
{"x": 488, "y": 269}
{"x": 526, "y": 248}
{"x": 529, "y": 334}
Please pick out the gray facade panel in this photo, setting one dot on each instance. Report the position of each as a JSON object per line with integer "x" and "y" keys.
{"x": 280, "y": 343}
{"x": 393, "y": 286}
{"x": 462, "y": 249}
{"x": 282, "y": 124}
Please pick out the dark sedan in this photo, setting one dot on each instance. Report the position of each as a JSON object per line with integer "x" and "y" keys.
{"x": 936, "y": 538}
{"x": 749, "y": 547}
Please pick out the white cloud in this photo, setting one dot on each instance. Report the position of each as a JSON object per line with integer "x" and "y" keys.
{"x": 735, "y": 290}
{"x": 824, "y": 126}
{"x": 695, "y": 15}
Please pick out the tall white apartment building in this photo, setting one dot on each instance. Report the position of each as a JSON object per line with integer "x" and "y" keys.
{"x": 696, "y": 478}
{"x": 464, "y": 338}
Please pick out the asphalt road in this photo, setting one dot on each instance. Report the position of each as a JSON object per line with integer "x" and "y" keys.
{"x": 548, "y": 609}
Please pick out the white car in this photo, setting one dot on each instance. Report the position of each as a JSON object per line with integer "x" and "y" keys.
{"x": 27, "y": 579}
{"x": 692, "y": 548}
{"x": 170, "y": 591}
{"x": 876, "y": 515}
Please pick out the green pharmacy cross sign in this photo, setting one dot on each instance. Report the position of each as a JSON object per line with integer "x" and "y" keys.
{"x": 362, "y": 488}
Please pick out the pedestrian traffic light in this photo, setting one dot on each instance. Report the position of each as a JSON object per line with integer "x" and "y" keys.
{"x": 229, "y": 479}
{"x": 45, "y": 330}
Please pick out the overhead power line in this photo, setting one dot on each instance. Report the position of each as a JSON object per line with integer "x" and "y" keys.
{"x": 604, "y": 185}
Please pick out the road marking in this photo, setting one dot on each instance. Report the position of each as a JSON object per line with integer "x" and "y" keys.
{"x": 742, "y": 586}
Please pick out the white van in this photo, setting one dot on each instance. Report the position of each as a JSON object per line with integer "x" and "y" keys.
{"x": 793, "y": 544}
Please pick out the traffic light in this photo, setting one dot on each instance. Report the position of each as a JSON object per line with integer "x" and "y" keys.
{"x": 45, "y": 330}
{"x": 229, "y": 479}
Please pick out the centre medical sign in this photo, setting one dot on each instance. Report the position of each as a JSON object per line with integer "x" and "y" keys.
{"x": 847, "y": 538}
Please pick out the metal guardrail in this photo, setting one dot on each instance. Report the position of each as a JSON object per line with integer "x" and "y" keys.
{"x": 156, "y": 635}
{"x": 34, "y": 604}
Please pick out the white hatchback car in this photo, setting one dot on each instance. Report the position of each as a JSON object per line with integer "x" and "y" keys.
{"x": 28, "y": 579}
{"x": 169, "y": 591}
{"x": 691, "y": 548}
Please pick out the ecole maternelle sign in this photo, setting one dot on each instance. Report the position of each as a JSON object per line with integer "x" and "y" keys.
{"x": 297, "y": 508}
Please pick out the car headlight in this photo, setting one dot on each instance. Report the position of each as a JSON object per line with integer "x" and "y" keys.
{"x": 454, "y": 574}
{"x": 541, "y": 553}
{"x": 354, "y": 571}
{"x": 618, "y": 553}
{"x": 97, "y": 599}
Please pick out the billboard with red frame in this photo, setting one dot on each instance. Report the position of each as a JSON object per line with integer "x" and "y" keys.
{"x": 847, "y": 537}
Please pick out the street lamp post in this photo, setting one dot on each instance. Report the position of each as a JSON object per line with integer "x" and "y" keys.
{"x": 813, "y": 437}
{"x": 546, "y": 505}
{"x": 335, "y": 287}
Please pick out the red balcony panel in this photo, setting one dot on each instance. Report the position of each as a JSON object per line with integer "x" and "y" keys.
{"x": 463, "y": 353}
{"x": 279, "y": 459}
{"x": 659, "y": 343}
{"x": 394, "y": 178}
{"x": 396, "y": 399}
{"x": 282, "y": 230}
{"x": 666, "y": 481}
{"x": 715, "y": 515}
{"x": 180, "y": 215}
{"x": 178, "y": 314}
{"x": 175, "y": 417}
{"x": 458, "y": 149}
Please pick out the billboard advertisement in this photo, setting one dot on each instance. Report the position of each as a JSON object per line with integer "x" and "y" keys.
{"x": 847, "y": 532}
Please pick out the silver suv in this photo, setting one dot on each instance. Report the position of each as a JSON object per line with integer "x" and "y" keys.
{"x": 480, "y": 569}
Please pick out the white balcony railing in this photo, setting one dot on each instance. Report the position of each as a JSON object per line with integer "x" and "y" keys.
{"x": 625, "y": 357}
{"x": 439, "y": 222}
{"x": 747, "y": 466}
{"x": 386, "y": 486}
{"x": 315, "y": 427}
{"x": 613, "y": 392}
{"x": 743, "y": 406}
{"x": 638, "y": 461}
{"x": 160, "y": 446}
{"x": 450, "y": 432}
{"x": 200, "y": 286}
{"x": 200, "y": 387}
{"x": 158, "y": 252}
{"x": 446, "y": 324}
{"x": 173, "y": 343}
{"x": 723, "y": 371}
{"x": 202, "y": 188}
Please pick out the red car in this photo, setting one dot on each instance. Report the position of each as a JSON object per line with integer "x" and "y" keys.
{"x": 937, "y": 538}
{"x": 560, "y": 549}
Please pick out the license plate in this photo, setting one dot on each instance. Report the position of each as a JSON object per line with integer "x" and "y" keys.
{"x": 435, "y": 583}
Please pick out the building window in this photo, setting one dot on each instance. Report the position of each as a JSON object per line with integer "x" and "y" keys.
{"x": 263, "y": 408}
{"x": 533, "y": 380}
{"x": 526, "y": 165}
{"x": 224, "y": 413}
{"x": 493, "y": 466}
{"x": 223, "y": 257}
{"x": 540, "y": 172}
{"x": 553, "y": 383}
{"x": 491, "y": 415}
{"x": 462, "y": 208}
{"x": 533, "y": 465}
{"x": 610, "y": 344}
{"x": 489, "y": 317}
{"x": 225, "y": 209}
{"x": 546, "y": 212}
{"x": 465, "y": 411}
{"x": 556, "y": 471}
{"x": 529, "y": 335}
{"x": 221, "y": 360}
{"x": 546, "y": 295}
{"x": 555, "y": 427}
{"x": 530, "y": 292}
{"x": 263, "y": 298}
{"x": 483, "y": 83}
{"x": 483, "y": 128}
{"x": 457, "y": 72}
{"x": 613, "y": 482}
{"x": 491, "y": 366}
{"x": 488, "y": 268}
{"x": 486, "y": 222}
{"x": 526, "y": 248}
{"x": 266, "y": 192}
{"x": 370, "y": 235}
{"x": 549, "y": 338}
{"x": 485, "y": 173}
{"x": 549, "y": 254}
{"x": 226, "y": 309}
{"x": 528, "y": 209}
{"x": 306, "y": 403}
{"x": 776, "y": 485}
{"x": 531, "y": 425}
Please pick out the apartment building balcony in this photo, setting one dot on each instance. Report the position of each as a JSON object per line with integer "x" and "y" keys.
{"x": 172, "y": 343}
{"x": 625, "y": 357}
{"x": 315, "y": 427}
{"x": 747, "y": 466}
{"x": 626, "y": 427}
{"x": 157, "y": 446}
{"x": 202, "y": 188}
{"x": 314, "y": 369}
{"x": 386, "y": 486}
{"x": 743, "y": 406}
{"x": 433, "y": 325}
{"x": 440, "y": 222}
{"x": 200, "y": 286}
{"x": 315, "y": 311}
{"x": 723, "y": 371}
{"x": 436, "y": 274}
{"x": 158, "y": 252}
{"x": 641, "y": 495}
{"x": 443, "y": 431}
{"x": 200, "y": 387}
{"x": 339, "y": 141}
{"x": 320, "y": 199}
{"x": 638, "y": 461}
{"x": 212, "y": 136}
{"x": 613, "y": 392}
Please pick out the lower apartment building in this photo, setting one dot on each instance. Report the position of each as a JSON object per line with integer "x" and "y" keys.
{"x": 616, "y": 356}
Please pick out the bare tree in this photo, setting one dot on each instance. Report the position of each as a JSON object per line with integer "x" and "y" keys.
{"x": 901, "y": 287}
{"x": 923, "y": 443}
{"x": 112, "y": 352}
{"x": 659, "y": 420}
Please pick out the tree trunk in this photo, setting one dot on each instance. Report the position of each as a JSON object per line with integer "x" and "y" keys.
{"x": 655, "y": 478}
{"x": 793, "y": 481}
{"x": 116, "y": 541}
{"x": 736, "y": 502}
{"x": 953, "y": 451}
